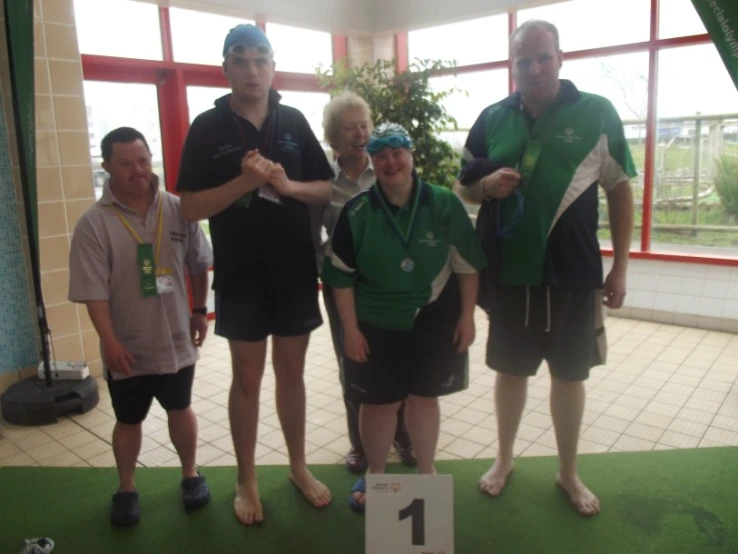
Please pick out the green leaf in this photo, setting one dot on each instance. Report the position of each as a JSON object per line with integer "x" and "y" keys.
{"x": 406, "y": 98}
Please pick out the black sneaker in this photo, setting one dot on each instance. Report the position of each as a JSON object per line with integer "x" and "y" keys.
{"x": 195, "y": 493}
{"x": 125, "y": 509}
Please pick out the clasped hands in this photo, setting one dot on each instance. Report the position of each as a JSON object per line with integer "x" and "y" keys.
{"x": 258, "y": 171}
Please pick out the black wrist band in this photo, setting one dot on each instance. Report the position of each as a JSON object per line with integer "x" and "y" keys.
{"x": 201, "y": 311}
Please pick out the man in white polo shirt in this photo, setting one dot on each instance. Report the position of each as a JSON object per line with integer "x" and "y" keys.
{"x": 128, "y": 263}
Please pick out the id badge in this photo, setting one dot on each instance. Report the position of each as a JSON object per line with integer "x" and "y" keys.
{"x": 268, "y": 192}
{"x": 147, "y": 269}
{"x": 529, "y": 161}
{"x": 164, "y": 281}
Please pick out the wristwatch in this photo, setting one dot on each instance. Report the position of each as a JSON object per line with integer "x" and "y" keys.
{"x": 201, "y": 311}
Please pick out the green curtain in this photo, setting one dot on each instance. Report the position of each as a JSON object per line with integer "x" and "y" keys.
{"x": 721, "y": 20}
{"x": 19, "y": 31}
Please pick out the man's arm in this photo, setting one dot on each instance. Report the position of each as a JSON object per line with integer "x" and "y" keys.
{"x": 471, "y": 194}
{"x": 199, "y": 322}
{"x": 620, "y": 211}
{"x": 255, "y": 170}
{"x": 499, "y": 184}
{"x": 117, "y": 358}
{"x": 199, "y": 284}
{"x": 206, "y": 203}
{"x": 311, "y": 192}
{"x": 99, "y": 311}
{"x": 317, "y": 192}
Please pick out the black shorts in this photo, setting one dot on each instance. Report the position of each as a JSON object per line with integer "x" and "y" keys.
{"x": 564, "y": 327}
{"x": 132, "y": 397}
{"x": 423, "y": 361}
{"x": 254, "y": 314}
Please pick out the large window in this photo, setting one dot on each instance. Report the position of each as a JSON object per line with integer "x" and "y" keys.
{"x": 473, "y": 92}
{"x": 689, "y": 139}
{"x": 198, "y": 37}
{"x": 201, "y": 99}
{"x": 121, "y": 28}
{"x": 311, "y": 105}
{"x": 695, "y": 188}
{"x": 678, "y": 18}
{"x": 113, "y": 105}
{"x": 622, "y": 79}
{"x": 469, "y": 42}
{"x": 584, "y": 24}
{"x": 300, "y": 50}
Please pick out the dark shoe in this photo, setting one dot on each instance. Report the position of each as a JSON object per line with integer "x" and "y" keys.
{"x": 125, "y": 509}
{"x": 407, "y": 454}
{"x": 356, "y": 461}
{"x": 195, "y": 493}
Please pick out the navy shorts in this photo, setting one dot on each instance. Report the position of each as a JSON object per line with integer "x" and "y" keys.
{"x": 562, "y": 326}
{"x": 254, "y": 314}
{"x": 132, "y": 397}
{"x": 423, "y": 361}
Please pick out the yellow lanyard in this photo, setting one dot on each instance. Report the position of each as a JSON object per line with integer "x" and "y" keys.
{"x": 134, "y": 234}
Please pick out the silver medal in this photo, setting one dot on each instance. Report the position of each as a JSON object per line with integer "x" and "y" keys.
{"x": 407, "y": 265}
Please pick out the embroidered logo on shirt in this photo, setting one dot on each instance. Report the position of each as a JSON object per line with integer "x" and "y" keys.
{"x": 176, "y": 236}
{"x": 286, "y": 144}
{"x": 568, "y": 137}
{"x": 225, "y": 149}
{"x": 430, "y": 240}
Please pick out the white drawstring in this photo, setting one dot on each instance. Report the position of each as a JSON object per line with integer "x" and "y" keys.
{"x": 548, "y": 309}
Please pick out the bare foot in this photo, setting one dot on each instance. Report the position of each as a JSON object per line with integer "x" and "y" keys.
{"x": 247, "y": 504}
{"x": 359, "y": 497}
{"x": 313, "y": 490}
{"x": 494, "y": 480}
{"x": 584, "y": 501}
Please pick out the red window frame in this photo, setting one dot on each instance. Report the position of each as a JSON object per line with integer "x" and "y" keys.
{"x": 653, "y": 45}
{"x": 172, "y": 79}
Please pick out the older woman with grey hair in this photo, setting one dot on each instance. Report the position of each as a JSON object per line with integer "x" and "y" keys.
{"x": 347, "y": 124}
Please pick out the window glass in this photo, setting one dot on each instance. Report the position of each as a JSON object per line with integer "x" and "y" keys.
{"x": 121, "y": 28}
{"x": 468, "y": 42}
{"x": 210, "y": 30}
{"x": 201, "y": 99}
{"x": 622, "y": 79}
{"x": 695, "y": 194}
{"x": 584, "y": 24}
{"x": 476, "y": 91}
{"x": 311, "y": 105}
{"x": 678, "y": 18}
{"x": 113, "y": 105}
{"x": 300, "y": 50}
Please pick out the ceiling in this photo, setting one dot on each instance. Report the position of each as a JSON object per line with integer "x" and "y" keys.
{"x": 356, "y": 17}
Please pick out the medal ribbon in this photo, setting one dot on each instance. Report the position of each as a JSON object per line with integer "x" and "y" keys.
{"x": 134, "y": 234}
{"x": 406, "y": 236}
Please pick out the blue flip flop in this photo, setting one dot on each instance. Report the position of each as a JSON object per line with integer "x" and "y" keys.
{"x": 359, "y": 486}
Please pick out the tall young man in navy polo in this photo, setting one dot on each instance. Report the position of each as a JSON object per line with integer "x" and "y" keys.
{"x": 535, "y": 161}
{"x": 252, "y": 166}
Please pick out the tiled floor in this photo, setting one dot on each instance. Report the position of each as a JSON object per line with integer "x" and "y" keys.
{"x": 663, "y": 387}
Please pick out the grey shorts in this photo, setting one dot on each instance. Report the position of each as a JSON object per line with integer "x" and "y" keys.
{"x": 528, "y": 325}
